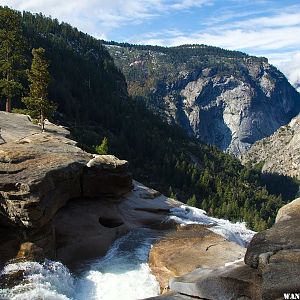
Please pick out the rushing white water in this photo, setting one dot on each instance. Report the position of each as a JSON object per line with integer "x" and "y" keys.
{"x": 122, "y": 274}
{"x": 235, "y": 232}
{"x": 49, "y": 280}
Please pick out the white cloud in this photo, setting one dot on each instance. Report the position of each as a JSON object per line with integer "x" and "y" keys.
{"x": 186, "y": 4}
{"x": 289, "y": 64}
{"x": 281, "y": 20}
{"x": 237, "y": 39}
{"x": 92, "y": 16}
{"x": 99, "y": 17}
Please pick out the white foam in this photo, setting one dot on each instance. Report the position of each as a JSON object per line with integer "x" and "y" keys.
{"x": 122, "y": 274}
{"x": 133, "y": 284}
{"x": 235, "y": 232}
{"x": 48, "y": 281}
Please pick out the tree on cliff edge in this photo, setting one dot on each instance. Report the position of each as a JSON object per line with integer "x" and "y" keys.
{"x": 39, "y": 78}
{"x": 102, "y": 149}
{"x": 11, "y": 54}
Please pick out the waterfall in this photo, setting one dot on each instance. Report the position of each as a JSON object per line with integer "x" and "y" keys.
{"x": 123, "y": 273}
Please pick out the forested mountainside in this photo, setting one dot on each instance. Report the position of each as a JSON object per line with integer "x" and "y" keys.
{"x": 92, "y": 101}
{"x": 225, "y": 98}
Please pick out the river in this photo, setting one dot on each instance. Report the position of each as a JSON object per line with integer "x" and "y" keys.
{"x": 123, "y": 273}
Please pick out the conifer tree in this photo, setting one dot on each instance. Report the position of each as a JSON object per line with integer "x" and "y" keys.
{"x": 39, "y": 78}
{"x": 192, "y": 201}
{"x": 102, "y": 149}
{"x": 11, "y": 54}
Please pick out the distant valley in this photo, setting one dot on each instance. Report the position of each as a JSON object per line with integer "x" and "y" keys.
{"x": 224, "y": 98}
{"x": 165, "y": 115}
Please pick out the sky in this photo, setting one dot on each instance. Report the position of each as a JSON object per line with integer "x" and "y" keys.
{"x": 269, "y": 28}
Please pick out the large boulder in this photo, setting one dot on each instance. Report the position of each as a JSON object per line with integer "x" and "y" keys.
{"x": 40, "y": 175}
{"x": 188, "y": 248}
{"x": 287, "y": 212}
{"x": 109, "y": 173}
{"x": 236, "y": 281}
{"x": 58, "y": 201}
{"x": 275, "y": 253}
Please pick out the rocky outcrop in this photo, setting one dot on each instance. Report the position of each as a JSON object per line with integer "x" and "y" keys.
{"x": 275, "y": 253}
{"x": 106, "y": 176}
{"x": 188, "y": 248}
{"x": 86, "y": 228}
{"x": 57, "y": 200}
{"x": 224, "y": 98}
{"x": 41, "y": 172}
{"x": 271, "y": 266}
{"x": 236, "y": 281}
{"x": 279, "y": 153}
{"x": 290, "y": 211}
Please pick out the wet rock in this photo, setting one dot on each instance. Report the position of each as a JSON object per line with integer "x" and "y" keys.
{"x": 30, "y": 251}
{"x": 188, "y": 248}
{"x": 271, "y": 268}
{"x": 10, "y": 280}
{"x": 86, "y": 228}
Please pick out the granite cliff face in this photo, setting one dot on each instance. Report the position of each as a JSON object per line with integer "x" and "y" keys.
{"x": 279, "y": 153}
{"x": 224, "y": 98}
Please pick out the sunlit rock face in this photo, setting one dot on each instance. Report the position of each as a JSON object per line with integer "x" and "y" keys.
{"x": 278, "y": 153}
{"x": 224, "y": 98}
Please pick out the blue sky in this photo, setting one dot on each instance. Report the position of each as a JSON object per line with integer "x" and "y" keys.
{"x": 269, "y": 28}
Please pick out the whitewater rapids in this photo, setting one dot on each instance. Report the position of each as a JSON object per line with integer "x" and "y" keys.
{"x": 234, "y": 232}
{"x": 123, "y": 273}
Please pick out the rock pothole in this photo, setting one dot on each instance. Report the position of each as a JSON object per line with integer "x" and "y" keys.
{"x": 110, "y": 222}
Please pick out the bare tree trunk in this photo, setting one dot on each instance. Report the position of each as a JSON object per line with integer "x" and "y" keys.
{"x": 42, "y": 119}
{"x": 42, "y": 122}
{"x": 8, "y": 104}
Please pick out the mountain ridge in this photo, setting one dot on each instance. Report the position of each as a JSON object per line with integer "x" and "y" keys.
{"x": 225, "y": 98}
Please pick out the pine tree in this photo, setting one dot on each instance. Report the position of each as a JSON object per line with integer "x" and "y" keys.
{"x": 102, "y": 149}
{"x": 39, "y": 78}
{"x": 11, "y": 54}
{"x": 192, "y": 201}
